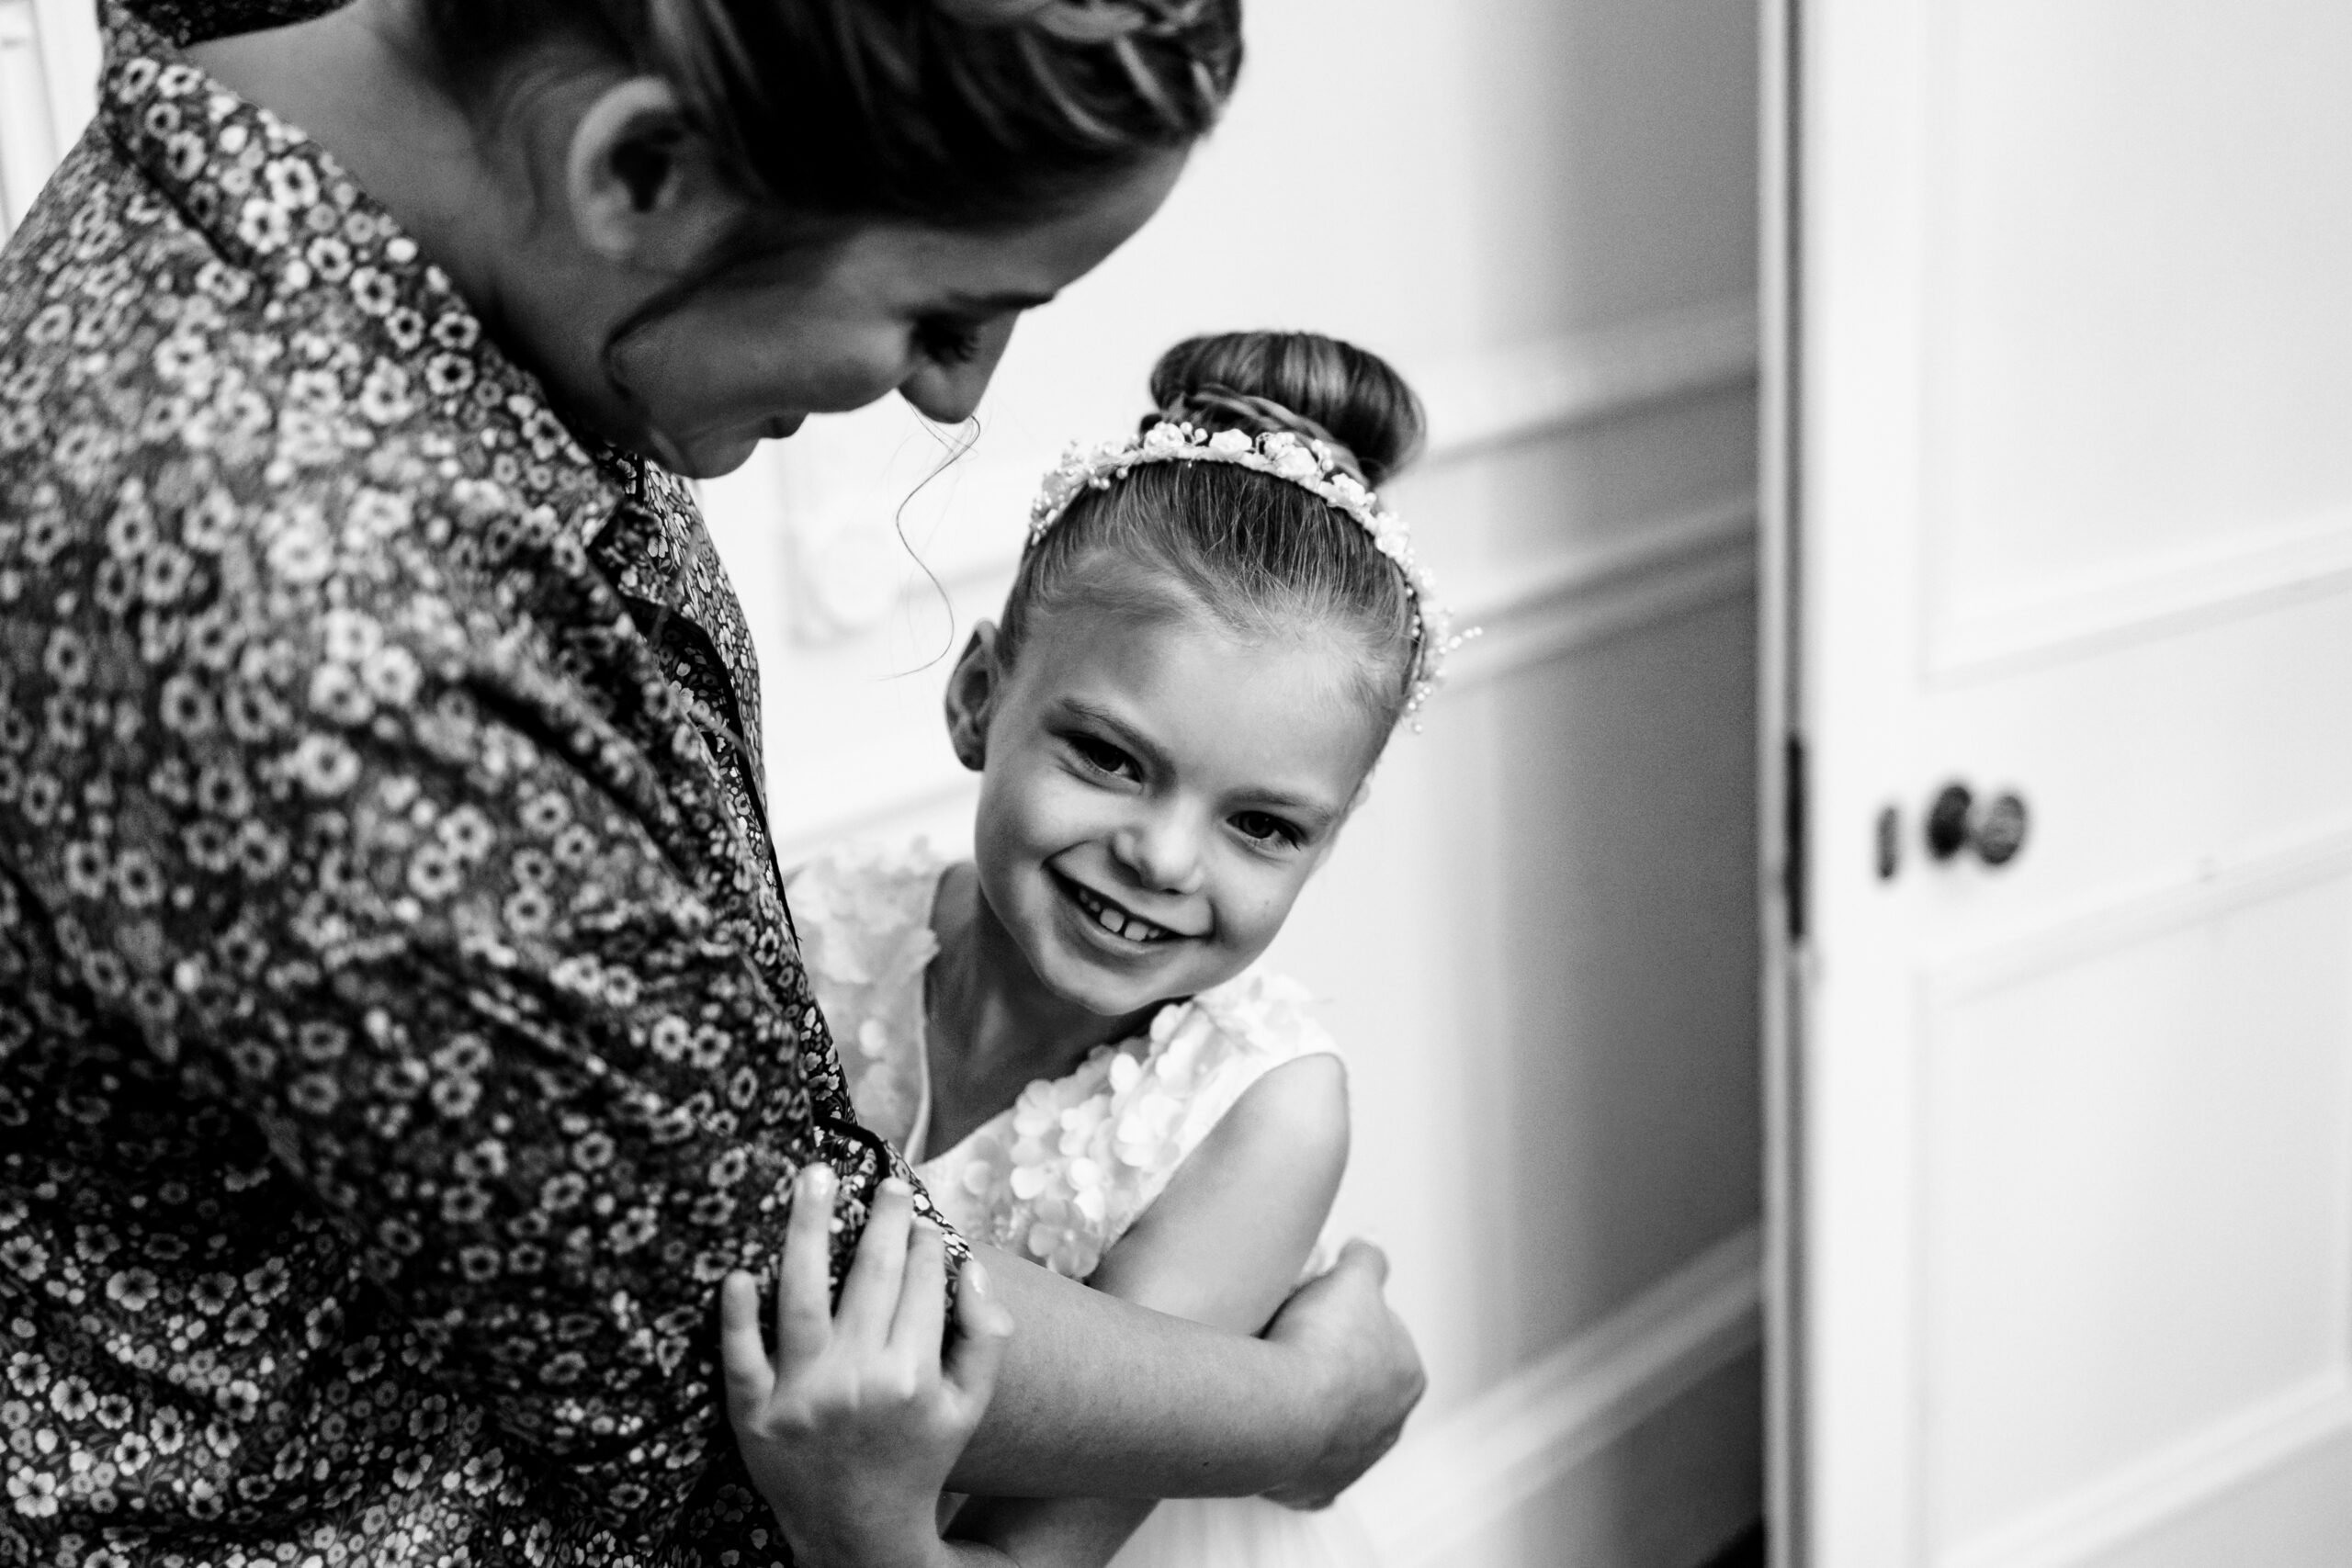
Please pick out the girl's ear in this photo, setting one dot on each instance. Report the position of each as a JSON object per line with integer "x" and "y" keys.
{"x": 972, "y": 690}
{"x": 644, "y": 190}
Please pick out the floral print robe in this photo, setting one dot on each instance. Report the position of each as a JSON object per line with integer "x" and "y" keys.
{"x": 401, "y": 1031}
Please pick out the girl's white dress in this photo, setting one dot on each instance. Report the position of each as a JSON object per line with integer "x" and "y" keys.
{"x": 1060, "y": 1175}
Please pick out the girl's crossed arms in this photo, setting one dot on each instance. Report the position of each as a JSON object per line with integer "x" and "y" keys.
{"x": 850, "y": 1425}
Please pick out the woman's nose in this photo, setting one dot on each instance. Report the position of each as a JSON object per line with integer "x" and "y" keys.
{"x": 947, "y": 393}
{"x": 1162, "y": 854}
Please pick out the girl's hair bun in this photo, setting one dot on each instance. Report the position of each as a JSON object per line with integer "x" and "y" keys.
{"x": 1351, "y": 394}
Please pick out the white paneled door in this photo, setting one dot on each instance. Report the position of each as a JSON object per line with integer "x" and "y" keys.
{"x": 2062, "y": 354}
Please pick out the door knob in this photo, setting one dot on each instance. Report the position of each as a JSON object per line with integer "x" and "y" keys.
{"x": 1955, "y": 822}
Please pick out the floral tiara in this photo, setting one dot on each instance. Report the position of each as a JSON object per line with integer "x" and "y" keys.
{"x": 1321, "y": 468}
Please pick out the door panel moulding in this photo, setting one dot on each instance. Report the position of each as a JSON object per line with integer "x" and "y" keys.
{"x": 1453, "y": 1476}
{"x": 1477, "y": 405}
{"x": 1671, "y": 568}
{"x": 2272, "y": 567}
{"x": 2204, "y": 1465}
{"x": 2117, "y": 916}
{"x": 2165, "y": 1484}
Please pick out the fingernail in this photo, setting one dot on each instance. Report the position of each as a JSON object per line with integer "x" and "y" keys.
{"x": 893, "y": 1187}
{"x": 816, "y": 1177}
{"x": 976, "y": 1278}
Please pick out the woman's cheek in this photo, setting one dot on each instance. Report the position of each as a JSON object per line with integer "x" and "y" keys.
{"x": 856, "y": 363}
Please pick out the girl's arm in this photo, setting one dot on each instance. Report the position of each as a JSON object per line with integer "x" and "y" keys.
{"x": 849, "y": 1429}
{"x": 1222, "y": 1246}
{"x": 1101, "y": 1398}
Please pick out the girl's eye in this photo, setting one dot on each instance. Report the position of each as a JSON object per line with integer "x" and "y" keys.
{"x": 948, "y": 343}
{"x": 1263, "y": 828}
{"x": 1103, "y": 756}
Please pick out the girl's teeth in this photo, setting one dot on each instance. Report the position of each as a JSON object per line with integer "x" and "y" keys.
{"x": 1110, "y": 919}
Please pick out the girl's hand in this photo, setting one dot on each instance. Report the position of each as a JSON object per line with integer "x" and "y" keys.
{"x": 850, "y": 1430}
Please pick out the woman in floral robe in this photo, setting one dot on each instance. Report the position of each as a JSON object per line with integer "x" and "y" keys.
{"x": 401, "y": 1029}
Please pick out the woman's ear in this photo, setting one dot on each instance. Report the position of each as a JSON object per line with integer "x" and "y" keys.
{"x": 972, "y": 691}
{"x": 644, "y": 190}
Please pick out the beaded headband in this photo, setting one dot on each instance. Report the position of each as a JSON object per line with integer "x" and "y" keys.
{"x": 1324, "y": 468}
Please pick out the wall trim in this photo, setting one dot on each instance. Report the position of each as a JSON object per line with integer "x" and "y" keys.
{"x": 1533, "y": 390}
{"x": 847, "y": 576}
{"x": 1668, "y": 568}
{"x": 1453, "y": 1476}
{"x": 27, "y": 150}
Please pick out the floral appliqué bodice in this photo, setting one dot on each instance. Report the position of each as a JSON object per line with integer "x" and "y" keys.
{"x": 1059, "y": 1175}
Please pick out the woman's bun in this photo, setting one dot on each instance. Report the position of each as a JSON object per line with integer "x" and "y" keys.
{"x": 1353, "y": 394}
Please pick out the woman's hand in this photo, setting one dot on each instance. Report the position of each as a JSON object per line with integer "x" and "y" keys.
{"x": 1344, "y": 1323}
{"x": 850, "y": 1430}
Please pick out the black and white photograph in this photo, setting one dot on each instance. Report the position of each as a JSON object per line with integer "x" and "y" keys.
{"x": 1175, "y": 784}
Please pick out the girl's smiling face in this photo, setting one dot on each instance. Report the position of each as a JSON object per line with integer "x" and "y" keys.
{"x": 1156, "y": 789}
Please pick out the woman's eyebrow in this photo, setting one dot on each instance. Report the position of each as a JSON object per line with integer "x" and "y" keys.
{"x": 996, "y": 304}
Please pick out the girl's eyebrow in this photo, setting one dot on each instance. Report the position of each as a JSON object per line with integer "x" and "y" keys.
{"x": 1313, "y": 814}
{"x": 1129, "y": 735}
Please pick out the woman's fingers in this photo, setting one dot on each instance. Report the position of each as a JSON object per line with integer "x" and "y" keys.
{"x": 870, "y": 1294}
{"x": 1361, "y": 1253}
{"x": 982, "y": 1329}
{"x": 804, "y": 1280}
{"x": 742, "y": 1354}
{"x": 922, "y": 1316}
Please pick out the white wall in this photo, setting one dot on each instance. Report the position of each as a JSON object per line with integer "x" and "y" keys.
{"x": 49, "y": 73}
{"x": 1537, "y": 941}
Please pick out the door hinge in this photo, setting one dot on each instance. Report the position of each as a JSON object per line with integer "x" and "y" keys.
{"x": 1792, "y": 856}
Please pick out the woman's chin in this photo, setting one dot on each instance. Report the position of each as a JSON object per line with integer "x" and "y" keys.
{"x": 709, "y": 457}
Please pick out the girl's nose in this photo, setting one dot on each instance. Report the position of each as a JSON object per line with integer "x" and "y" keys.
{"x": 1162, "y": 854}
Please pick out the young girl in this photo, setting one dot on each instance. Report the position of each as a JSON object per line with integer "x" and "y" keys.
{"x": 1214, "y": 629}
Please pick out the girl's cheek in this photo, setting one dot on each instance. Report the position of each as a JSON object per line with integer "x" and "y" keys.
{"x": 1274, "y": 903}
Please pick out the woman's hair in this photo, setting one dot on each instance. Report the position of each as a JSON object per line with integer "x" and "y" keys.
{"x": 1260, "y": 554}
{"x": 953, "y": 113}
